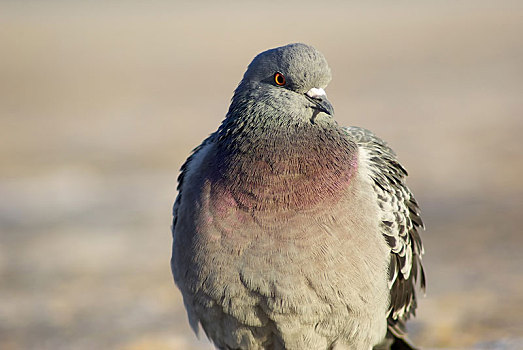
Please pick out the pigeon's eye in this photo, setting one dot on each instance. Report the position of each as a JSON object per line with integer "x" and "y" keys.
{"x": 279, "y": 79}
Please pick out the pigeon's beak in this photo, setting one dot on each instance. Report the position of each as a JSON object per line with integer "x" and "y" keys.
{"x": 319, "y": 99}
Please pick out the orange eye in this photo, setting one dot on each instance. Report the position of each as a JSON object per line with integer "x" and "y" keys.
{"x": 279, "y": 79}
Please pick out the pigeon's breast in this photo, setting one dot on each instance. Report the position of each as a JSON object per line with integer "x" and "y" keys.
{"x": 301, "y": 261}
{"x": 282, "y": 179}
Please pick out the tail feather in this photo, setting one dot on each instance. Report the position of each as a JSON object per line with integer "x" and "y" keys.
{"x": 394, "y": 342}
{"x": 402, "y": 344}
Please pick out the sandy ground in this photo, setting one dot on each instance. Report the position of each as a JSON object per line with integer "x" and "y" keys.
{"x": 100, "y": 103}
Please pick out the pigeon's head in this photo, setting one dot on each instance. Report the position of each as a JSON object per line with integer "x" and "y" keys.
{"x": 287, "y": 81}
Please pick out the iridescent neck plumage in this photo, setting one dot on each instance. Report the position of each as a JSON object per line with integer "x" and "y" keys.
{"x": 283, "y": 164}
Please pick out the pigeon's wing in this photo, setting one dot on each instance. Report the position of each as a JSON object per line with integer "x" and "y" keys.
{"x": 184, "y": 188}
{"x": 400, "y": 222}
{"x": 181, "y": 177}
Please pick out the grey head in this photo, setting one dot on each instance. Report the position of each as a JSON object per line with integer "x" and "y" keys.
{"x": 285, "y": 81}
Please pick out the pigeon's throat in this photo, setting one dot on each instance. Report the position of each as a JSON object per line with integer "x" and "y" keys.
{"x": 286, "y": 173}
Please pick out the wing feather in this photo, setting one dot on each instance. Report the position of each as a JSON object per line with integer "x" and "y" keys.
{"x": 400, "y": 222}
{"x": 183, "y": 172}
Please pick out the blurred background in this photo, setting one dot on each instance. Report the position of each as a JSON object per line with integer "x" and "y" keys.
{"x": 101, "y": 102}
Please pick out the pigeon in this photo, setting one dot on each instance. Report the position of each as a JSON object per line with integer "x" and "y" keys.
{"x": 290, "y": 231}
